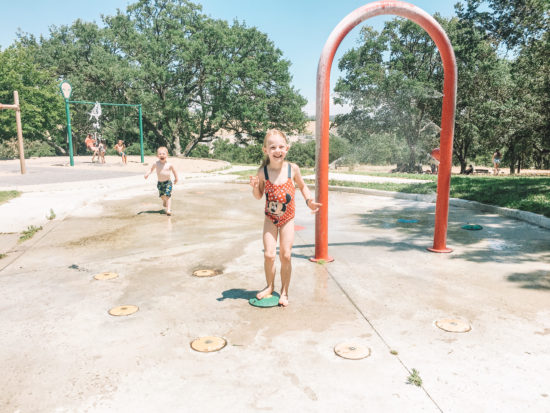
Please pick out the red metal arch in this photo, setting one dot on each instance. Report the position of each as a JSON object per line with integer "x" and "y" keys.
{"x": 443, "y": 44}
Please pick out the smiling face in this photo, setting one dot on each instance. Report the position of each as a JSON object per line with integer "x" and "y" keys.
{"x": 162, "y": 154}
{"x": 276, "y": 147}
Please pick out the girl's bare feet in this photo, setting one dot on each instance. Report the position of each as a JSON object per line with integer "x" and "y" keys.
{"x": 283, "y": 301}
{"x": 265, "y": 292}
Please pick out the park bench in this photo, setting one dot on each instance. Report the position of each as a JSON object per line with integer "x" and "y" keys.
{"x": 481, "y": 171}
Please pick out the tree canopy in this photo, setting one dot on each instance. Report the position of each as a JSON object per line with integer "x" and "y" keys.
{"x": 194, "y": 75}
{"x": 393, "y": 81}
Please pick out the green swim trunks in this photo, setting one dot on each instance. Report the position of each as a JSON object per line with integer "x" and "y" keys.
{"x": 165, "y": 188}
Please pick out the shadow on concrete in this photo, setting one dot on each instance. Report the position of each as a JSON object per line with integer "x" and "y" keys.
{"x": 498, "y": 240}
{"x": 160, "y": 211}
{"x": 378, "y": 242}
{"x": 237, "y": 294}
{"x": 538, "y": 280}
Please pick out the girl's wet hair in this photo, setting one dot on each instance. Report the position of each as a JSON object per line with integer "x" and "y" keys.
{"x": 268, "y": 134}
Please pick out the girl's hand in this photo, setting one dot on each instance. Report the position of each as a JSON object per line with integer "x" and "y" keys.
{"x": 314, "y": 206}
{"x": 146, "y": 176}
{"x": 254, "y": 181}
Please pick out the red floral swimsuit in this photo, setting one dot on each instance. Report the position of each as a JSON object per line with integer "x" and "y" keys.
{"x": 279, "y": 199}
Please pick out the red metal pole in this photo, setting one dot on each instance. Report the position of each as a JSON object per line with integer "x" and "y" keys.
{"x": 443, "y": 44}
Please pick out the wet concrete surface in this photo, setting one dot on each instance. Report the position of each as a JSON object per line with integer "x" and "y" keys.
{"x": 61, "y": 351}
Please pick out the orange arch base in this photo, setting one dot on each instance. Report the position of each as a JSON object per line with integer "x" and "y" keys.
{"x": 443, "y": 44}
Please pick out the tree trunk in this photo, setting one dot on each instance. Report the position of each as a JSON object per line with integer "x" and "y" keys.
{"x": 177, "y": 145}
{"x": 58, "y": 149}
{"x": 462, "y": 165}
{"x": 192, "y": 143}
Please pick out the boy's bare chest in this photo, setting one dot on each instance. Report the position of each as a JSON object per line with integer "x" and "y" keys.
{"x": 163, "y": 168}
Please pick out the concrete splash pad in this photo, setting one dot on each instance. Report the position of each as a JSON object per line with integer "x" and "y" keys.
{"x": 383, "y": 288}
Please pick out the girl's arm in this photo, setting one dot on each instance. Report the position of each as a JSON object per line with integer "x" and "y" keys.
{"x": 175, "y": 174}
{"x": 301, "y": 185}
{"x": 257, "y": 182}
{"x": 151, "y": 171}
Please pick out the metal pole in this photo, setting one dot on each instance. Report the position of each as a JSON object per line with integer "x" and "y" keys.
{"x": 443, "y": 44}
{"x": 141, "y": 135}
{"x": 19, "y": 131}
{"x": 69, "y": 133}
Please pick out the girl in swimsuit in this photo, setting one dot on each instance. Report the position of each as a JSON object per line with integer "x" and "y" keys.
{"x": 276, "y": 178}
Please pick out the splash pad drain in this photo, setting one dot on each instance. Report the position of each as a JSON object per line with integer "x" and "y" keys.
{"x": 208, "y": 344}
{"x": 472, "y": 227}
{"x": 407, "y": 221}
{"x": 107, "y": 275}
{"x": 123, "y": 310}
{"x": 351, "y": 351}
{"x": 453, "y": 325}
{"x": 206, "y": 273}
{"x": 271, "y": 300}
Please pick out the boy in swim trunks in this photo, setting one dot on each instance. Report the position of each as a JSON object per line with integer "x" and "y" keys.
{"x": 121, "y": 150}
{"x": 276, "y": 178}
{"x": 164, "y": 185}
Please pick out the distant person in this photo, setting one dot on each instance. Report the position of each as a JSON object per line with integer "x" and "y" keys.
{"x": 101, "y": 149}
{"x": 469, "y": 170}
{"x": 164, "y": 173}
{"x": 497, "y": 157}
{"x": 121, "y": 150}
{"x": 434, "y": 156}
{"x": 91, "y": 146}
{"x": 278, "y": 179}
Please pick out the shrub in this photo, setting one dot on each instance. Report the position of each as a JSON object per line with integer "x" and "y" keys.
{"x": 303, "y": 154}
{"x": 200, "y": 151}
{"x": 10, "y": 149}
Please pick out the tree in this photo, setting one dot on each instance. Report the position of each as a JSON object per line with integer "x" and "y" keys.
{"x": 519, "y": 27}
{"x": 193, "y": 75}
{"x": 513, "y": 22}
{"x": 41, "y": 109}
{"x": 397, "y": 96}
{"x": 481, "y": 78}
{"x": 202, "y": 75}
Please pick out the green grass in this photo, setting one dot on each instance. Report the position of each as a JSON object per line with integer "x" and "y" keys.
{"x": 245, "y": 174}
{"x": 51, "y": 215}
{"x": 529, "y": 193}
{"x": 29, "y": 233}
{"x": 414, "y": 378}
{"x": 526, "y": 193}
{"x": 5, "y": 196}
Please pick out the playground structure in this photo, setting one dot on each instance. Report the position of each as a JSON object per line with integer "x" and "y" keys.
{"x": 443, "y": 44}
{"x": 66, "y": 91}
{"x": 17, "y": 109}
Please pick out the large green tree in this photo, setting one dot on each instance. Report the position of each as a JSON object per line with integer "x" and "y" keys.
{"x": 391, "y": 82}
{"x": 519, "y": 29}
{"x": 194, "y": 75}
{"x": 482, "y": 78}
{"x": 41, "y": 109}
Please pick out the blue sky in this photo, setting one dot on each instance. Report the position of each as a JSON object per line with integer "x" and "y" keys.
{"x": 299, "y": 28}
